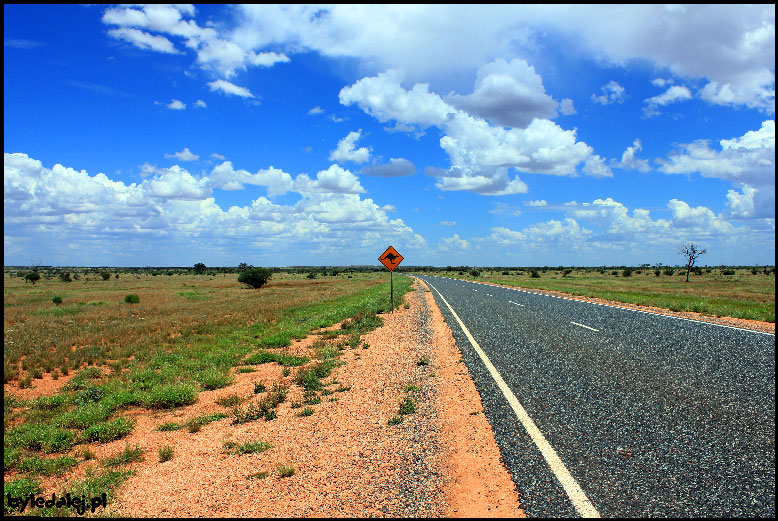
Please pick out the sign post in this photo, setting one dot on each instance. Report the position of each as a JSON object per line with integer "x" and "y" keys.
{"x": 391, "y": 258}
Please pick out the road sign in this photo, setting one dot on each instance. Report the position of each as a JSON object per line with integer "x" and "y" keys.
{"x": 390, "y": 258}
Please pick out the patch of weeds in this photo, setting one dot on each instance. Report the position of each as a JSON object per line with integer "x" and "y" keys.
{"x": 230, "y": 400}
{"x": 194, "y": 424}
{"x": 394, "y": 420}
{"x": 410, "y": 388}
{"x": 39, "y": 437}
{"x": 94, "y": 484}
{"x": 362, "y": 323}
{"x": 50, "y": 403}
{"x": 259, "y": 387}
{"x": 306, "y": 412}
{"x": 407, "y": 406}
{"x": 285, "y": 372}
{"x": 214, "y": 379}
{"x": 326, "y": 392}
{"x": 475, "y": 413}
{"x": 246, "y": 369}
{"x": 125, "y": 457}
{"x": 10, "y": 458}
{"x": 423, "y": 361}
{"x": 295, "y": 405}
{"x": 46, "y": 466}
{"x": 246, "y": 447}
{"x": 87, "y": 454}
{"x": 165, "y": 453}
{"x": 286, "y": 471}
{"x": 258, "y": 475}
{"x": 104, "y": 432}
{"x": 169, "y": 396}
{"x": 312, "y": 399}
{"x": 264, "y": 356}
{"x": 170, "y": 426}
{"x": 264, "y": 408}
{"x": 19, "y": 488}
{"x": 341, "y": 389}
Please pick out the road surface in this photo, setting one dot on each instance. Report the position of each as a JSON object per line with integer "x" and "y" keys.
{"x": 601, "y": 410}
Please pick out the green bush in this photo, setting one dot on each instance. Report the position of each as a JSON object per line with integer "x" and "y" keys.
{"x": 132, "y": 299}
{"x": 669, "y": 271}
{"x": 65, "y": 277}
{"x": 105, "y": 275}
{"x": 104, "y": 432}
{"x": 33, "y": 277}
{"x": 165, "y": 453}
{"x": 255, "y": 277}
{"x": 57, "y": 300}
{"x": 535, "y": 274}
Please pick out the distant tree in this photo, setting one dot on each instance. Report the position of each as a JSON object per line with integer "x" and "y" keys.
{"x": 255, "y": 277}
{"x": 691, "y": 251}
{"x": 105, "y": 275}
{"x": 32, "y": 276}
{"x": 64, "y": 276}
{"x": 199, "y": 268}
{"x": 243, "y": 266}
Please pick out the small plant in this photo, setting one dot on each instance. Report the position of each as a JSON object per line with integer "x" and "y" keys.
{"x": 57, "y": 300}
{"x": 396, "y": 419}
{"x": 246, "y": 370}
{"x": 285, "y": 372}
{"x": 132, "y": 299}
{"x": 410, "y": 388}
{"x": 247, "y": 447}
{"x": 193, "y": 425}
{"x": 128, "y": 455}
{"x": 258, "y": 475}
{"x": 286, "y": 471}
{"x": 231, "y": 400}
{"x": 259, "y": 387}
{"x": 165, "y": 453}
{"x": 170, "y": 426}
{"x": 407, "y": 406}
{"x": 306, "y": 412}
{"x": 423, "y": 361}
{"x": 87, "y": 454}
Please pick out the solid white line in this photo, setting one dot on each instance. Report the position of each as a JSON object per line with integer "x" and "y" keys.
{"x": 574, "y": 491}
{"x": 587, "y": 327}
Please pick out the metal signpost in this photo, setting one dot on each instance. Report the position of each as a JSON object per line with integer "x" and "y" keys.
{"x": 391, "y": 258}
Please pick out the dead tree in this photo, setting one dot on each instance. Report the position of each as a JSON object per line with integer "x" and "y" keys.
{"x": 691, "y": 252}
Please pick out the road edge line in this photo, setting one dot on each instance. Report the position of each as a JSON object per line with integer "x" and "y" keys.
{"x": 574, "y": 491}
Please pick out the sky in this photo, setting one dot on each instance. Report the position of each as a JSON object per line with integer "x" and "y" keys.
{"x": 167, "y": 135}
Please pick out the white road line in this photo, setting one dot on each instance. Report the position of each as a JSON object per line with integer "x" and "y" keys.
{"x": 574, "y": 491}
{"x": 512, "y": 302}
{"x": 587, "y": 327}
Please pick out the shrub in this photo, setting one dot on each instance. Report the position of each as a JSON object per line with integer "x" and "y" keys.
{"x": 535, "y": 274}
{"x": 286, "y": 471}
{"x": 128, "y": 455}
{"x": 105, "y": 275}
{"x": 727, "y": 272}
{"x": 669, "y": 271}
{"x": 57, "y": 300}
{"x": 199, "y": 268}
{"x": 165, "y": 453}
{"x": 247, "y": 447}
{"x": 657, "y": 272}
{"x": 104, "y": 432}
{"x": 132, "y": 299}
{"x": 65, "y": 277}
{"x": 311, "y": 275}
{"x": 33, "y": 277}
{"x": 626, "y": 273}
{"x": 475, "y": 273}
{"x": 255, "y": 277}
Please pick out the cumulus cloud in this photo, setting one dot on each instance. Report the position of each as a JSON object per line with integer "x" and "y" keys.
{"x": 674, "y": 94}
{"x": 174, "y": 214}
{"x": 611, "y": 93}
{"x": 454, "y": 243}
{"x": 480, "y": 154}
{"x": 507, "y": 93}
{"x": 184, "y": 155}
{"x": 347, "y": 150}
{"x": 315, "y": 110}
{"x": 176, "y": 105}
{"x": 200, "y": 103}
{"x": 230, "y": 89}
{"x": 629, "y": 160}
{"x": 144, "y": 40}
{"x": 396, "y": 167}
{"x": 333, "y": 180}
{"x": 566, "y": 107}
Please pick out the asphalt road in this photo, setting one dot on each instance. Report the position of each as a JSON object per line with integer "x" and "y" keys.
{"x": 650, "y": 415}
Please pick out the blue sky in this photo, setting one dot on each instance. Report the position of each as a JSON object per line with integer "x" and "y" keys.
{"x": 302, "y": 135}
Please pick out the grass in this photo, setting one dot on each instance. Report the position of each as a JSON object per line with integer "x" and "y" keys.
{"x": 165, "y": 453}
{"x": 195, "y": 423}
{"x": 258, "y": 475}
{"x": 125, "y": 457}
{"x": 231, "y": 400}
{"x": 286, "y": 471}
{"x": 246, "y": 447}
{"x": 160, "y": 352}
{"x": 46, "y": 466}
{"x": 742, "y": 295}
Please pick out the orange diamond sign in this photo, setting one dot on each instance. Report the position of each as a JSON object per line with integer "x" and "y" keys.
{"x": 390, "y": 258}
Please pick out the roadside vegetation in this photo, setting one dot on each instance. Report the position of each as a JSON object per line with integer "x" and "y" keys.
{"x": 183, "y": 334}
{"x": 724, "y": 291}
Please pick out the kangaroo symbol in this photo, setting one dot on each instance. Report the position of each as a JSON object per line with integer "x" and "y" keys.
{"x": 391, "y": 257}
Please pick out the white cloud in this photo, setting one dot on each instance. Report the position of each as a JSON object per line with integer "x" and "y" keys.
{"x": 454, "y": 243}
{"x": 480, "y": 154}
{"x": 629, "y": 161}
{"x": 144, "y": 40}
{"x": 277, "y": 181}
{"x": 315, "y": 110}
{"x": 347, "y": 150}
{"x": 539, "y": 202}
{"x": 674, "y": 94}
{"x": 611, "y": 93}
{"x": 333, "y": 180}
{"x": 595, "y": 166}
{"x": 508, "y": 94}
{"x": 230, "y": 89}
{"x": 748, "y": 159}
{"x": 184, "y": 155}
{"x": 662, "y": 82}
{"x": 218, "y": 156}
{"x": 176, "y": 105}
{"x": 396, "y": 167}
{"x": 200, "y": 103}
{"x": 174, "y": 215}
{"x": 448, "y": 223}
{"x": 146, "y": 169}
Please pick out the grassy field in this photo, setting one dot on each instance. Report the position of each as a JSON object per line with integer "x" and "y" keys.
{"x": 187, "y": 334}
{"x": 742, "y": 294}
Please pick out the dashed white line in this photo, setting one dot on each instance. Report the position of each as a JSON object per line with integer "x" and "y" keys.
{"x": 574, "y": 491}
{"x": 587, "y": 327}
{"x": 512, "y": 302}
